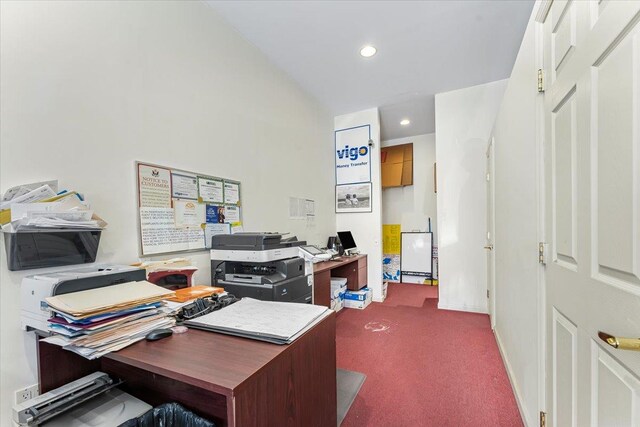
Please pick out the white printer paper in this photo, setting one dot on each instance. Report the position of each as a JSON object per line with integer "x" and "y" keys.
{"x": 280, "y": 320}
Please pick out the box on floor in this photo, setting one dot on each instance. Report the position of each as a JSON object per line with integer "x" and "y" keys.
{"x": 358, "y": 299}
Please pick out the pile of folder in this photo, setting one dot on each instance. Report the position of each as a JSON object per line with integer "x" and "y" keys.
{"x": 40, "y": 205}
{"x": 271, "y": 321}
{"x": 98, "y": 321}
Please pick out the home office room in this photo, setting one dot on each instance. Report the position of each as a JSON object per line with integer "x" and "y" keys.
{"x": 317, "y": 213}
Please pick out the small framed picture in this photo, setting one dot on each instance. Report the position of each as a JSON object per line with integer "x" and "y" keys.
{"x": 353, "y": 198}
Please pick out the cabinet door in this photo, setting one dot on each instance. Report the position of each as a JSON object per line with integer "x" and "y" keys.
{"x": 362, "y": 277}
{"x": 322, "y": 288}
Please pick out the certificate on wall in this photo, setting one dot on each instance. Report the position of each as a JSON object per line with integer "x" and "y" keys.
{"x": 232, "y": 214}
{"x": 231, "y": 193}
{"x": 211, "y": 190}
{"x": 353, "y": 155}
{"x": 184, "y": 186}
{"x": 188, "y": 213}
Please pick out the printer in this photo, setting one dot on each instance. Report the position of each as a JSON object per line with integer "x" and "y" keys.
{"x": 92, "y": 400}
{"x": 35, "y": 312}
{"x": 263, "y": 266}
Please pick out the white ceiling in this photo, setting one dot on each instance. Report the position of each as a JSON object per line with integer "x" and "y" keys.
{"x": 424, "y": 47}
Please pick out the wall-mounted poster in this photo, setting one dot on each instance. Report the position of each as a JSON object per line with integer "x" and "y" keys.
{"x": 180, "y": 211}
{"x": 353, "y": 155}
{"x": 353, "y": 198}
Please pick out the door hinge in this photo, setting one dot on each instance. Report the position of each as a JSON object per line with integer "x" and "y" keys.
{"x": 487, "y": 293}
{"x": 540, "y": 80}
{"x": 541, "y": 247}
{"x": 543, "y": 419}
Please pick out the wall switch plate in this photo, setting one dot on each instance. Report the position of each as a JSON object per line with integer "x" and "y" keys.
{"x": 27, "y": 393}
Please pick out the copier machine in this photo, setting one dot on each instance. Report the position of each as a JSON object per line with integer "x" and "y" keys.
{"x": 263, "y": 266}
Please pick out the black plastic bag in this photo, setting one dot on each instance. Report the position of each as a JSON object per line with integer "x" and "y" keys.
{"x": 168, "y": 415}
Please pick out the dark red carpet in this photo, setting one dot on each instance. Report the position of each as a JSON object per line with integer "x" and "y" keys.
{"x": 424, "y": 366}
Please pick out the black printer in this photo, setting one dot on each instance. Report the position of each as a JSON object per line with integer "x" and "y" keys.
{"x": 263, "y": 266}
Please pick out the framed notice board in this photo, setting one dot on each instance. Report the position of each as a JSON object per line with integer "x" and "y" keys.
{"x": 179, "y": 211}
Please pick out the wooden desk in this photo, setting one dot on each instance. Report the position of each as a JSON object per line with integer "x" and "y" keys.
{"x": 230, "y": 380}
{"x": 353, "y": 268}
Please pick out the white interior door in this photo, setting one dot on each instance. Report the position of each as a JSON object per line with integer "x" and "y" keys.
{"x": 491, "y": 284}
{"x": 592, "y": 173}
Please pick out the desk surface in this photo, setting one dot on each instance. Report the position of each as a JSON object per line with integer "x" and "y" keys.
{"x": 328, "y": 265}
{"x": 231, "y": 380}
{"x": 208, "y": 360}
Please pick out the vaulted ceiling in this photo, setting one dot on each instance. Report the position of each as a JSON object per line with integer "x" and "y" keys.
{"x": 424, "y": 47}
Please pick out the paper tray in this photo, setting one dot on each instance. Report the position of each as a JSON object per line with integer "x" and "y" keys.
{"x": 50, "y": 248}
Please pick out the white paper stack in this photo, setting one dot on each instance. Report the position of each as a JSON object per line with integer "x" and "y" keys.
{"x": 276, "y": 322}
{"x": 98, "y": 321}
{"x": 30, "y": 207}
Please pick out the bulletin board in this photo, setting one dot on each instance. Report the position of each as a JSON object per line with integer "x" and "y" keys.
{"x": 180, "y": 211}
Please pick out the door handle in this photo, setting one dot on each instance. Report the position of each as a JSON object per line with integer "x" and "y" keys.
{"x": 489, "y": 247}
{"x": 620, "y": 343}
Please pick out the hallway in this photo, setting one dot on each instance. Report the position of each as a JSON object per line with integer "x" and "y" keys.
{"x": 424, "y": 366}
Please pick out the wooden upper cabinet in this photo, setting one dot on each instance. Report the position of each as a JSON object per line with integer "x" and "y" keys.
{"x": 397, "y": 165}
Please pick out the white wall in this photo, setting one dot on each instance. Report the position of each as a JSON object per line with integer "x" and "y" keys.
{"x": 367, "y": 227}
{"x": 413, "y": 205}
{"x": 464, "y": 119}
{"x": 90, "y": 87}
{"x": 517, "y": 288}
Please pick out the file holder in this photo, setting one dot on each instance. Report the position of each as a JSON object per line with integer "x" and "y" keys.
{"x": 50, "y": 248}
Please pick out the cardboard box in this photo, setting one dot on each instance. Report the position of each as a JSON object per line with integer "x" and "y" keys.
{"x": 397, "y": 165}
{"x": 360, "y": 305}
{"x": 338, "y": 292}
{"x": 337, "y": 304}
{"x": 358, "y": 299}
{"x": 338, "y": 281}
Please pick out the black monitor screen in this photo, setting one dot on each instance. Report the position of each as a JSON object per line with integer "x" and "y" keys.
{"x": 347, "y": 240}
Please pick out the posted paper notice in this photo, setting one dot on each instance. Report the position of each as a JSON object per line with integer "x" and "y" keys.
{"x": 211, "y": 190}
{"x": 184, "y": 186}
{"x": 232, "y": 214}
{"x": 211, "y": 230}
{"x": 188, "y": 213}
{"x": 159, "y": 233}
{"x": 231, "y": 193}
{"x": 154, "y": 186}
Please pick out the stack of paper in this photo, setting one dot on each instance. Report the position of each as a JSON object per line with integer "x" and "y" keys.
{"x": 40, "y": 205}
{"x": 167, "y": 265}
{"x": 276, "y": 322}
{"x": 98, "y": 321}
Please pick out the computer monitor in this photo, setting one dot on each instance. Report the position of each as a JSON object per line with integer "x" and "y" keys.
{"x": 347, "y": 241}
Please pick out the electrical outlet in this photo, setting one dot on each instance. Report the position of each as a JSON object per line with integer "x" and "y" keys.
{"x": 26, "y": 393}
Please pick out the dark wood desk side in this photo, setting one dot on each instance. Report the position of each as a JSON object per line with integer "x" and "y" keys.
{"x": 353, "y": 268}
{"x": 232, "y": 381}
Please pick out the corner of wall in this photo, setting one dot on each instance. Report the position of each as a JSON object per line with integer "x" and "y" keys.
{"x": 367, "y": 227}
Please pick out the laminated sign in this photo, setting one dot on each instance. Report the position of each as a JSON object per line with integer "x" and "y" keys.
{"x": 353, "y": 155}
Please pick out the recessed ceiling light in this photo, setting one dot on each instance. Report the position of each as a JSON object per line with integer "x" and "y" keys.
{"x": 405, "y": 122}
{"x": 368, "y": 51}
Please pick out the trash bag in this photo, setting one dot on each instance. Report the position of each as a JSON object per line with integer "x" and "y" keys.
{"x": 168, "y": 415}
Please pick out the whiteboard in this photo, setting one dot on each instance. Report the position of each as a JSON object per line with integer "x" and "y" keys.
{"x": 415, "y": 256}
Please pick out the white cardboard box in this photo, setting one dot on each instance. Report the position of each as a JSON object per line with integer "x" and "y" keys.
{"x": 358, "y": 299}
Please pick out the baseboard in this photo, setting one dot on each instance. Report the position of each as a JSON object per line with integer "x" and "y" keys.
{"x": 455, "y": 307}
{"x": 514, "y": 386}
